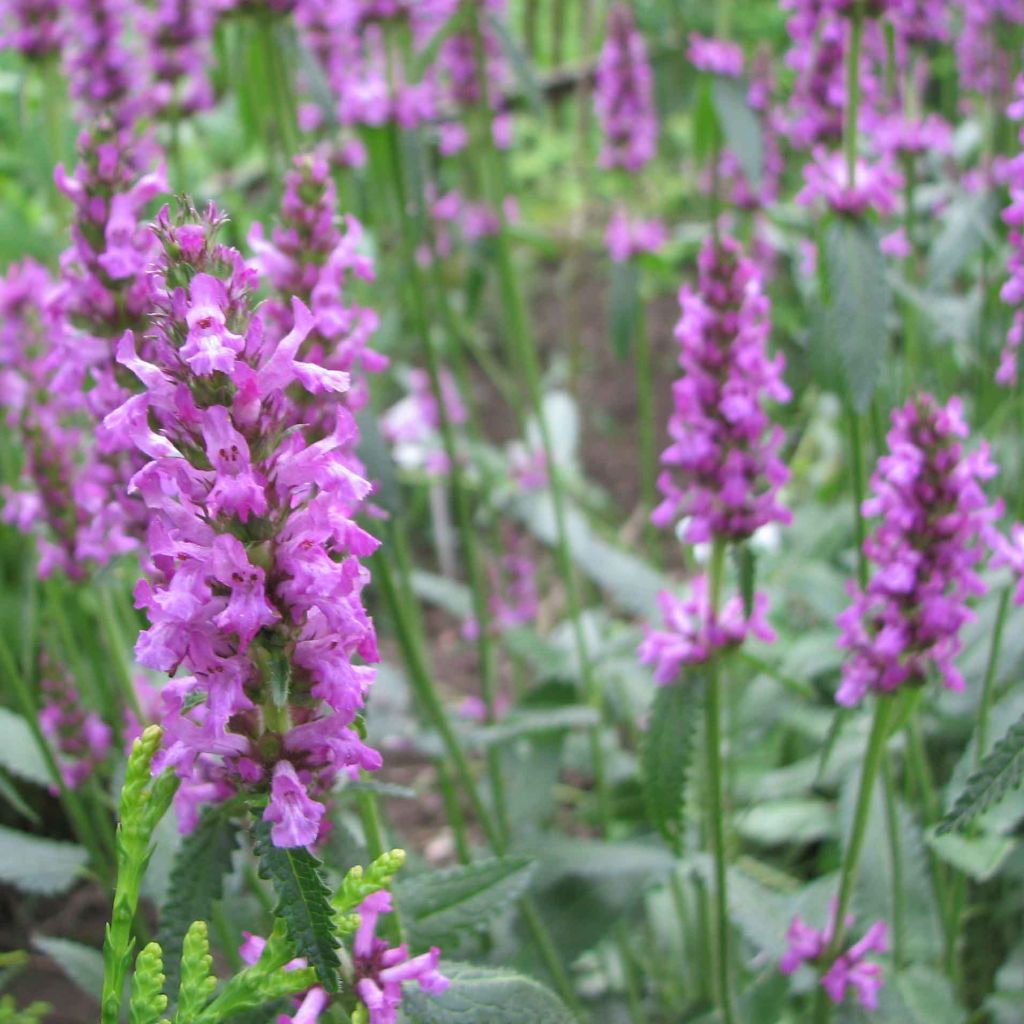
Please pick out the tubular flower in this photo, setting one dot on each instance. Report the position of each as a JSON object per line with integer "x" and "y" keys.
{"x": 32, "y": 27}
{"x": 691, "y": 636}
{"x": 253, "y": 575}
{"x": 850, "y": 970}
{"x": 381, "y": 970}
{"x": 723, "y": 470}
{"x": 624, "y": 95}
{"x": 935, "y": 522}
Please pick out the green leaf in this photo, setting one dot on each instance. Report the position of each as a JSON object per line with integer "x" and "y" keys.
{"x": 668, "y": 751}
{"x": 486, "y": 994}
{"x": 740, "y": 125}
{"x": 19, "y": 752}
{"x": 775, "y": 822}
{"x": 979, "y": 856}
{"x": 624, "y": 300}
{"x": 746, "y": 570}
{"x": 280, "y": 677}
{"x": 533, "y": 722}
{"x": 304, "y": 902}
{"x": 82, "y": 964}
{"x": 35, "y": 865}
{"x": 517, "y": 59}
{"x": 440, "y": 904}
{"x": 10, "y": 794}
{"x": 707, "y": 133}
{"x": 918, "y": 995}
{"x": 449, "y": 595}
{"x": 858, "y": 304}
{"x": 202, "y": 861}
{"x": 965, "y": 227}
{"x": 1000, "y": 771}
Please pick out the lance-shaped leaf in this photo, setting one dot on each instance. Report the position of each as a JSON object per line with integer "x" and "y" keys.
{"x": 303, "y": 901}
{"x": 624, "y": 302}
{"x": 479, "y": 994}
{"x": 202, "y": 861}
{"x": 1001, "y": 771}
{"x": 667, "y": 754}
{"x": 440, "y": 904}
{"x": 858, "y": 304}
{"x": 740, "y": 126}
{"x": 37, "y": 865}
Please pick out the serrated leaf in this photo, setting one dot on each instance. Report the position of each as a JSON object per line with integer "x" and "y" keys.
{"x": 36, "y": 865}
{"x": 1000, "y": 771}
{"x": 304, "y": 902}
{"x": 979, "y": 856}
{"x": 740, "y": 126}
{"x": 479, "y": 994}
{"x": 466, "y": 898}
{"x": 82, "y": 964}
{"x": 668, "y": 751}
{"x": 197, "y": 881}
{"x": 858, "y": 304}
{"x": 624, "y": 299}
{"x": 19, "y": 752}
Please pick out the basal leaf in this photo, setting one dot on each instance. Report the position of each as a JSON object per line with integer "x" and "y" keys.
{"x": 668, "y": 751}
{"x": 469, "y": 897}
{"x": 19, "y": 752}
{"x": 858, "y": 304}
{"x": 304, "y": 902}
{"x": 1000, "y": 771}
{"x": 82, "y": 964}
{"x": 36, "y": 865}
{"x": 479, "y": 994}
{"x": 202, "y": 861}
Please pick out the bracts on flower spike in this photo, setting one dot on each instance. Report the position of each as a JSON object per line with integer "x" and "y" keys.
{"x": 254, "y": 578}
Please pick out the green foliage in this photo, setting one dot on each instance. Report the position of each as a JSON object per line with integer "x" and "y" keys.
{"x": 303, "y": 902}
{"x": 19, "y": 752}
{"x": 31, "y": 1014}
{"x": 858, "y": 304}
{"x": 624, "y": 304}
{"x": 197, "y": 981}
{"x": 668, "y": 752}
{"x": 740, "y": 126}
{"x": 479, "y": 994}
{"x": 1000, "y": 771}
{"x": 438, "y": 905}
{"x": 202, "y": 862}
{"x": 147, "y": 1002}
{"x": 82, "y": 964}
{"x": 359, "y": 883}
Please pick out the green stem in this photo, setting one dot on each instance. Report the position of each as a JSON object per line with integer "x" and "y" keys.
{"x": 989, "y": 686}
{"x": 646, "y": 428}
{"x": 712, "y": 747}
{"x": 453, "y": 812}
{"x": 884, "y": 706}
{"x": 853, "y": 91}
{"x": 853, "y": 428}
{"x": 892, "y": 821}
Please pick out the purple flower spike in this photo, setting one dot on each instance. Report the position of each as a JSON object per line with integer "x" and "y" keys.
{"x": 719, "y": 56}
{"x": 935, "y": 522}
{"x": 723, "y": 471}
{"x": 624, "y": 96}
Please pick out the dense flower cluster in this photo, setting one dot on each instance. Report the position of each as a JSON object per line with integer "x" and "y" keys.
{"x": 179, "y": 43}
{"x": 381, "y": 970}
{"x": 935, "y": 521}
{"x": 691, "y": 636}
{"x": 624, "y": 95}
{"x": 81, "y": 739}
{"x": 723, "y": 470}
{"x": 32, "y": 27}
{"x": 253, "y": 568}
{"x": 718, "y": 56}
{"x": 850, "y": 970}
{"x": 876, "y": 184}
{"x": 311, "y": 258}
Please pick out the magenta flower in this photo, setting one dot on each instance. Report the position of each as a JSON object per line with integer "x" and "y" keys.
{"x": 179, "y": 42}
{"x": 413, "y": 424}
{"x": 381, "y": 970}
{"x": 252, "y": 550}
{"x": 935, "y": 522}
{"x": 722, "y": 470}
{"x": 309, "y": 1005}
{"x": 624, "y": 95}
{"x": 826, "y": 177}
{"x": 627, "y": 237}
{"x": 850, "y": 970}
{"x": 692, "y": 637}
{"x": 718, "y": 56}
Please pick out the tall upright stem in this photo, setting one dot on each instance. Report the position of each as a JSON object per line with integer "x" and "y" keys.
{"x": 713, "y": 752}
